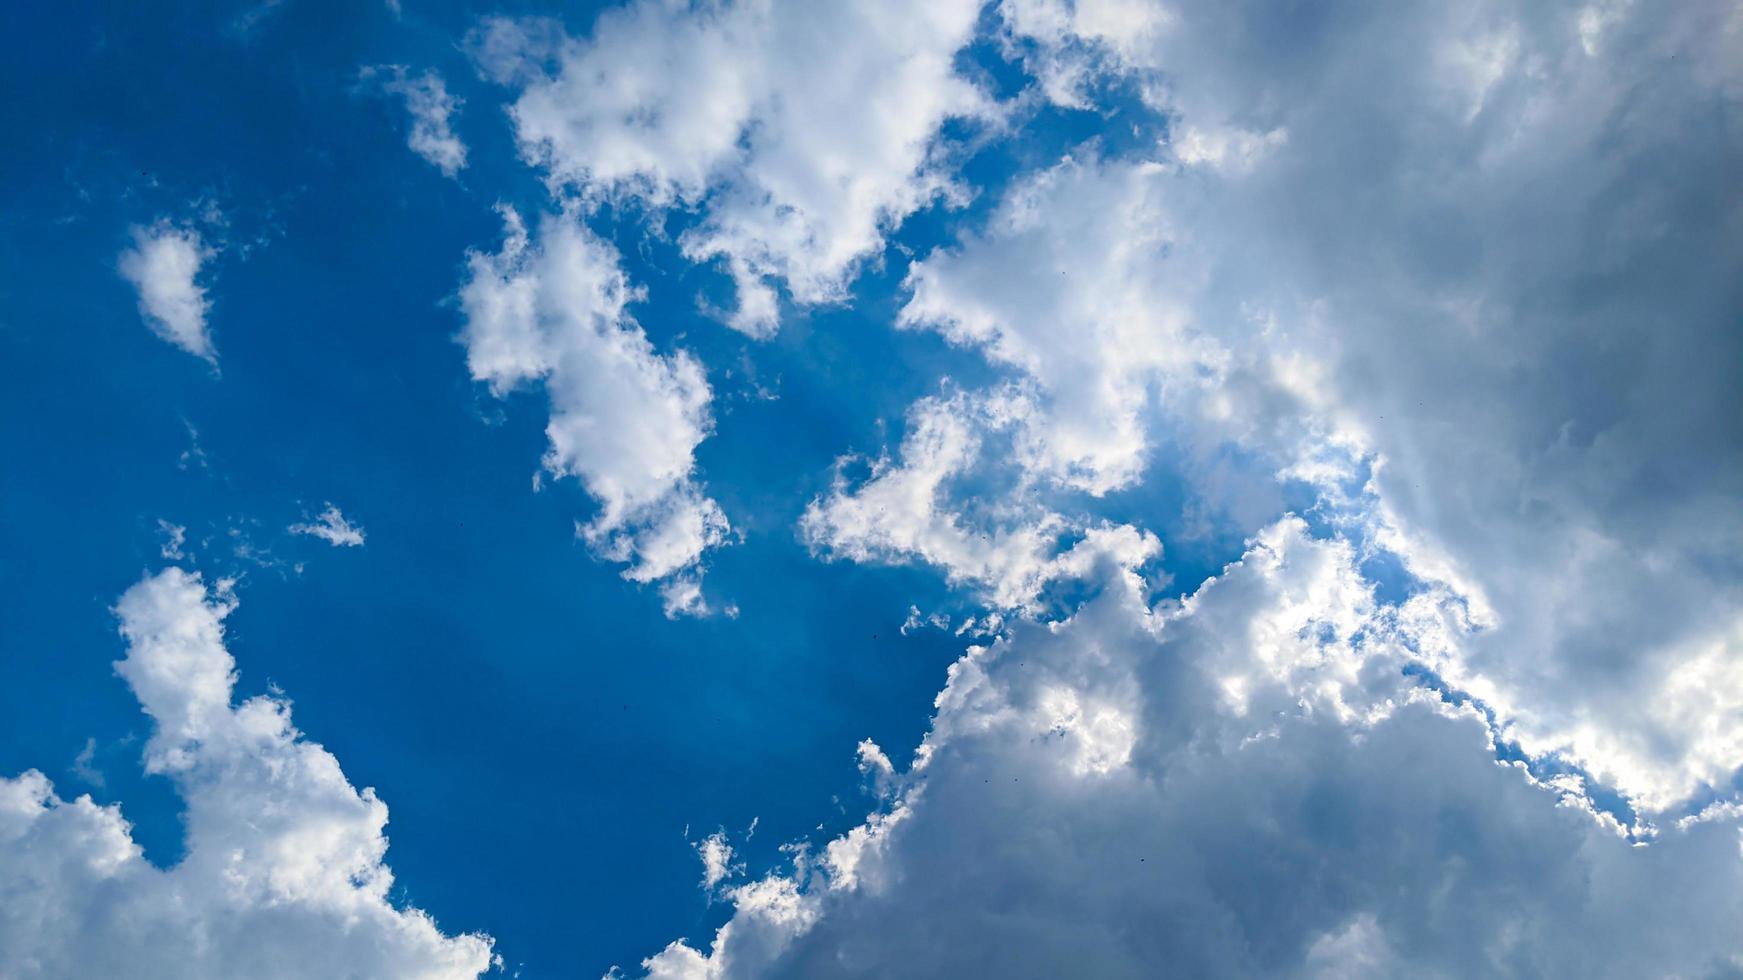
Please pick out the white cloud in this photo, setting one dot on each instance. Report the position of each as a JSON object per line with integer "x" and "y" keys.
{"x": 1465, "y": 270}
{"x": 1086, "y": 318}
{"x": 515, "y": 50}
{"x": 331, "y": 527}
{"x": 1091, "y": 801}
{"x": 1483, "y": 267}
{"x": 283, "y": 874}
{"x": 1078, "y": 38}
{"x": 767, "y": 913}
{"x": 431, "y": 108}
{"x": 801, "y": 131}
{"x": 717, "y": 860}
{"x": 164, "y": 267}
{"x": 876, "y": 768}
{"x": 174, "y": 536}
{"x": 625, "y": 419}
{"x": 1232, "y": 150}
{"x": 910, "y": 508}
{"x": 682, "y": 595}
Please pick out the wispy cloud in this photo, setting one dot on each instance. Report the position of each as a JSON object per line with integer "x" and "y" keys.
{"x": 432, "y": 110}
{"x": 332, "y": 527}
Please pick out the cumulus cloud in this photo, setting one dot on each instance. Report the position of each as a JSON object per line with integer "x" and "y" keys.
{"x": 915, "y": 508}
{"x": 1239, "y": 783}
{"x": 1461, "y": 268}
{"x": 431, "y": 108}
{"x": 164, "y": 267}
{"x": 800, "y": 131}
{"x": 1463, "y": 273}
{"x": 283, "y": 874}
{"x": 1085, "y": 317}
{"x": 624, "y": 419}
{"x": 332, "y": 527}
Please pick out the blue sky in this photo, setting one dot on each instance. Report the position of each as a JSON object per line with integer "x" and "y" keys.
{"x": 1233, "y": 371}
{"x": 495, "y": 657}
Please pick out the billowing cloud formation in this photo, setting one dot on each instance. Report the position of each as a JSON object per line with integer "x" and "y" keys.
{"x": 1463, "y": 272}
{"x": 1242, "y": 783}
{"x": 625, "y": 419}
{"x": 1478, "y": 254}
{"x": 431, "y": 108}
{"x": 283, "y": 874}
{"x": 801, "y": 130}
{"x": 164, "y": 267}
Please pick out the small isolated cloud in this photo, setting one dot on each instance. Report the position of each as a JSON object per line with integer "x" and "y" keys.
{"x": 682, "y": 596}
{"x": 331, "y": 527}
{"x": 164, "y": 267}
{"x": 717, "y": 860}
{"x": 251, "y": 21}
{"x": 83, "y": 766}
{"x": 283, "y": 874}
{"x": 432, "y": 109}
{"x": 194, "y": 457}
{"x": 625, "y": 419}
{"x": 174, "y": 536}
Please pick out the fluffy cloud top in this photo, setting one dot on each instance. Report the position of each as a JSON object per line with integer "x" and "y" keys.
{"x": 164, "y": 267}
{"x": 1477, "y": 254}
{"x": 800, "y": 130}
{"x": 625, "y": 419}
{"x": 1242, "y": 783}
{"x": 283, "y": 875}
{"x": 1465, "y": 273}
